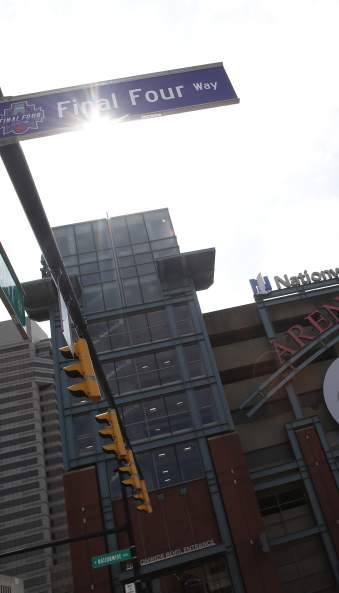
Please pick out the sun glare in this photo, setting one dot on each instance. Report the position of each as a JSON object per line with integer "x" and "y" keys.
{"x": 98, "y": 121}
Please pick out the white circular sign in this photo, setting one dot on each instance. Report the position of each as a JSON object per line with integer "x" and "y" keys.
{"x": 331, "y": 389}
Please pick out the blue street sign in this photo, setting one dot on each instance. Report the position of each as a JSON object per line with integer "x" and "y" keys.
{"x": 162, "y": 93}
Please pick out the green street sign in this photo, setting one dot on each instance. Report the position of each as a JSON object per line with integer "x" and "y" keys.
{"x": 111, "y": 558}
{"x": 11, "y": 292}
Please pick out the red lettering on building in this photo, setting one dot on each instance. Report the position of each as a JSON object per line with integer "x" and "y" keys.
{"x": 296, "y": 332}
{"x": 317, "y": 322}
{"x": 282, "y": 351}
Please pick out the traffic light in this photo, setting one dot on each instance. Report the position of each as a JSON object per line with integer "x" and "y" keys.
{"x": 113, "y": 431}
{"x": 82, "y": 367}
{"x": 131, "y": 469}
{"x": 143, "y": 496}
{"x": 133, "y": 480}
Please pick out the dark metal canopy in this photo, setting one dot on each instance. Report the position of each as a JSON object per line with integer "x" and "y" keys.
{"x": 197, "y": 266}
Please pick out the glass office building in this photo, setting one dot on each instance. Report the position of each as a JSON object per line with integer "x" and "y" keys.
{"x": 138, "y": 295}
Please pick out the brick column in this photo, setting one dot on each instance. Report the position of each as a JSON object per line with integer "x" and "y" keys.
{"x": 240, "y": 502}
{"x": 322, "y": 478}
{"x": 84, "y": 516}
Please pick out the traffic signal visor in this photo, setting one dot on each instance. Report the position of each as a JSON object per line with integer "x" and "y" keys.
{"x": 82, "y": 367}
{"x": 143, "y": 496}
{"x": 130, "y": 468}
{"x": 112, "y": 431}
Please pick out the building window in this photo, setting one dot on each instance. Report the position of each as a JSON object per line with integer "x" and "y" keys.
{"x": 101, "y": 235}
{"x": 206, "y": 405}
{"x": 183, "y": 320}
{"x": 112, "y": 295}
{"x": 285, "y": 509}
{"x": 146, "y": 370}
{"x": 280, "y": 501}
{"x": 121, "y": 332}
{"x": 158, "y": 225}
{"x": 93, "y": 299}
{"x": 84, "y": 237}
{"x": 163, "y": 467}
{"x": 65, "y": 240}
{"x": 137, "y": 229}
{"x": 157, "y": 417}
{"x": 150, "y": 287}
{"x": 84, "y": 434}
{"x": 132, "y": 291}
{"x": 119, "y": 231}
{"x": 194, "y": 361}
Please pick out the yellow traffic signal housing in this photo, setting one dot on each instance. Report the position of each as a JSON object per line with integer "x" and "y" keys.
{"x": 131, "y": 469}
{"x": 82, "y": 367}
{"x": 143, "y": 496}
{"x": 113, "y": 431}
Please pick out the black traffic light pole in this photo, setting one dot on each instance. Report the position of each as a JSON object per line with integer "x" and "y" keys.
{"x": 61, "y": 542}
{"x": 18, "y": 170}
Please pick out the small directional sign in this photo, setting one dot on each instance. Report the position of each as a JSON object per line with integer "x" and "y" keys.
{"x": 111, "y": 558}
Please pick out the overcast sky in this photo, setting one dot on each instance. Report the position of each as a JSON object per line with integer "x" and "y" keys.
{"x": 258, "y": 181}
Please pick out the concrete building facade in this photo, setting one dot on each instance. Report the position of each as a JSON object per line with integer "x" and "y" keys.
{"x": 32, "y": 506}
{"x": 272, "y": 356}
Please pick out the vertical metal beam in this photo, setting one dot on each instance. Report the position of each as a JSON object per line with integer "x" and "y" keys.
{"x": 291, "y": 393}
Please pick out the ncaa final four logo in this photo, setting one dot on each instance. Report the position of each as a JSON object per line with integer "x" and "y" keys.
{"x": 20, "y": 117}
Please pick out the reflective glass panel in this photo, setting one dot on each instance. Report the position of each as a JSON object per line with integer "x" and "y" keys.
{"x": 137, "y": 229}
{"x": 109, "y": 370}
{"x": 156, "y": 415}
{"x": 138, "y": 328}
{"x": 99, "y": 334}
{"x": 130, "y": 272}
{"x": 84, "y": 237}
{"x": 183, "y": 320}
{"x": 65, "y": 240}
{"x": 93, "y": 299}
{"x": 118, "y": 333}
{"x": 111, "y": 295}
{"x": 134, "y": 420}
{"x": 158, "y": 225}
{"x": 178, "y": 412}
{"x": 158, "y": 324}
{"x": 113, "y": 479}
{"x": 84, "y": 434}
{"x": 146, "y": 463}
{"x": 146, "y": 368}
{"x": 101, "y": 234}
{"x": 189, "y": 461}
{"x": 167, "y": 365}
{"x": 150, "y": 287}
{"x": 88, "y": 279}
{"x": 206, "y": 405}
{"x": 106, "y": 264}
{"x": 89, "y": 268}
{"x": 194, "y": 360}
{"x": 119, "y": 231}
{"x": 87, "y": 257}
{"x": 166, "y": 467}
{"x": 141, "y": 248}
{"x": 108, "y": 275}
{"x": 132, "y": 291}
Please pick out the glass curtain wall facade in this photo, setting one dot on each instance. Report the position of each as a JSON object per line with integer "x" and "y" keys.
{"x": 154, "y": 350}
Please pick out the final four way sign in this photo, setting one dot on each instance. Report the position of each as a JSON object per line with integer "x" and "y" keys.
{"x": 150, "y": 95}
